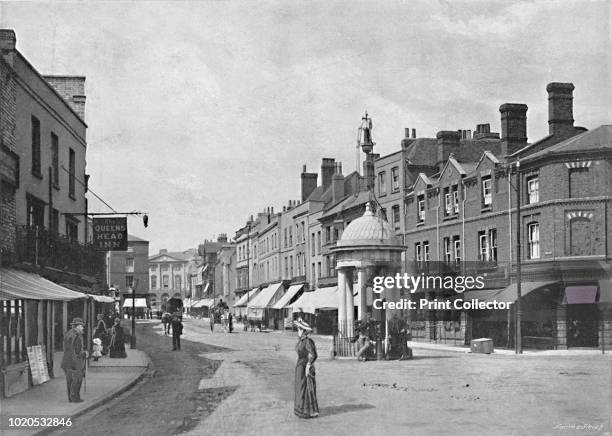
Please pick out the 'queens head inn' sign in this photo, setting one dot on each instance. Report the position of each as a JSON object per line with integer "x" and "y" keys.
{"x": 110, "y": 234}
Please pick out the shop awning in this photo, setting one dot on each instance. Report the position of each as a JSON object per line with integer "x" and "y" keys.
{"x": 204, "y": 302}
{"x": 506, "y": 295}
{"x": 321, "y": 299}
{"x": 248, "y": 296}
{"x": 102, "y": 298}
{"x": 286, "y": 298}
{"x": 138, "y": 304}
{"x": 580, "y": 295}
{"x": 266, "y": 297}
{"x": 16, "y": 285}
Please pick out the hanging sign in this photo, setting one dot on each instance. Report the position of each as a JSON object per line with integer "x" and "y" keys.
{"x": 38, "y": 364}
{"x": 110, "y": 234}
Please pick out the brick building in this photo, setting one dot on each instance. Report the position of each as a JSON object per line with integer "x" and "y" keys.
{"x": 48, "y": 271}
{"x": 461, "y": 219}
{"x": 128, "y": 271}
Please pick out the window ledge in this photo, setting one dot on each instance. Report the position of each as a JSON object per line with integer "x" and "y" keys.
{"x": 486, "y": 209}
{"x": 72, "y": 197}
{"x": 383, "y": 194}
{"x": 56, "y": 186}
{"x": 420, "y": 224}
{"x": 37, "y": 174}
{"x": 450, "y": 217}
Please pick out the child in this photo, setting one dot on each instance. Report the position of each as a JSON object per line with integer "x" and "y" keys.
{"x": 97, "y": 349}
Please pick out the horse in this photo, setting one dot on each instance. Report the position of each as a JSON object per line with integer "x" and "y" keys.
{"x": 166, "y": 319}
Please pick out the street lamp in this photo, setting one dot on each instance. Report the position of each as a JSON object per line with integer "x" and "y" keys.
{"x": 518, "y": 343}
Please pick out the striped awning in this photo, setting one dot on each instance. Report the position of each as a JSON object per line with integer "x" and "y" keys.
{"x": 102, "y": 298}
{"x": 287, "y": 297}
{"x": 16, "y": 285}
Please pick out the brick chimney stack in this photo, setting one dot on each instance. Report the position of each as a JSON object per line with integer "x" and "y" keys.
{"x": 448, "y": 142}
{"x": 309, "y": 183}
{"x": 513, "y": 127}
{"x": 560, "y": 108}
{"x": 328, "y": 168}
{"x": 8, "y": 41}
{"x": 72, "y": 89}
{"x": 337, "y": 184}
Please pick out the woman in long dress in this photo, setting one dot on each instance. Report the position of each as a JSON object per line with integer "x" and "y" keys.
{"x": 101, "y": 333}
{"x": 305, "y": 405}
{"x": 117, "y": 343}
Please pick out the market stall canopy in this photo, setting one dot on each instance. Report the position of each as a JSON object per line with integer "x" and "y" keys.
{"x": 322, "y": 299}
{"x": 248, "y": 296}
{"x": 16, "y": 285}
{"x": 286, "y": 298}
{"x": 139, "y": 303}
{"x": 266, "y": 296}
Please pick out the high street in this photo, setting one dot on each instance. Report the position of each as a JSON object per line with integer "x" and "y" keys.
{"x": 242, "y": 383}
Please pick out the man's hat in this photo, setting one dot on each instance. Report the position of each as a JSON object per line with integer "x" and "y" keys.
{"x": 77, "y": 321}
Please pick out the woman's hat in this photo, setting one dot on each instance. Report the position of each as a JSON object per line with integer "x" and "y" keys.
{"x": 77, "y": 321}
{"x": 302, "y": 325}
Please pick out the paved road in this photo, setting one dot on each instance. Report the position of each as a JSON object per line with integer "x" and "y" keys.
{"x": 242, "y": 383}
{"x": 169, "y": 402}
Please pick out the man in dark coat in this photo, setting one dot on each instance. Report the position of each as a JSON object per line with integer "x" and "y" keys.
{"x": 73, "y": 362}
{"x": 177, "y": 331}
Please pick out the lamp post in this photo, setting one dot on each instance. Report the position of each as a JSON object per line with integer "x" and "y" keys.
{"x": 518, "y": 343}
{"x": 133, "y": 337}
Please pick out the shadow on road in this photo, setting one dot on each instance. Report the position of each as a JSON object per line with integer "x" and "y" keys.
{"x": 343, "y": 408}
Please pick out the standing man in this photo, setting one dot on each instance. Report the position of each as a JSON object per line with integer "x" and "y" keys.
{"x": 177, "y": 331}
{"x": 212, "y": 319}
{"x": 73, "y": 362}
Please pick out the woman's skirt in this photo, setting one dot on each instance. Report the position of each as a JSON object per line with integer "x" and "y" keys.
{"x": 305, "y": 405}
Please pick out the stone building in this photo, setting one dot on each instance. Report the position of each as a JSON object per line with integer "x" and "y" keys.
{"x": 168, "y": 276}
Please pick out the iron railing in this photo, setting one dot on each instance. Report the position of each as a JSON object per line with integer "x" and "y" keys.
{"x": 49, "y": 249}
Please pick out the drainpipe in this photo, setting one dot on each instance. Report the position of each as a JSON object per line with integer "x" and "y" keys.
{"x": 463, "y": 227}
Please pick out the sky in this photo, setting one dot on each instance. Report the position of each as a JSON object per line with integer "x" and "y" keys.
{"x": 202, "y": 113}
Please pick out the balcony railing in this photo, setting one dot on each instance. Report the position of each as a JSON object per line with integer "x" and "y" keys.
{"x": 49, "y": 249}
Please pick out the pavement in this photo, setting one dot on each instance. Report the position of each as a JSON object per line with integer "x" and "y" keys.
{"x": 106, "y": 379}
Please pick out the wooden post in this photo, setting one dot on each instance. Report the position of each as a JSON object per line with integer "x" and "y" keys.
{"x": 64, "y": 320}
{"x": 53, "y": 333}
{"x": 49, "y": 305}
{"x": 40, "y": 340}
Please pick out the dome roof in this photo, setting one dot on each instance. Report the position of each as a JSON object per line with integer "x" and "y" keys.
{"x": 368, "y": 230}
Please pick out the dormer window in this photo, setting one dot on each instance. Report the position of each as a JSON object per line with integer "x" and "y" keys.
{"x": 486, "y": 191}
{"x": 421, "y": 208}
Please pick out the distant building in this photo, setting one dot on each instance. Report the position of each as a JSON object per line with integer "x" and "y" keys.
{"x": 168, "y": 276}
{"x": 128, "y": 271}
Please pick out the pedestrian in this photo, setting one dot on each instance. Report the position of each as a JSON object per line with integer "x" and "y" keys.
{"x": 166, "y": 320}
{"x": 117, "y": 343}
{"x": 305, "y": 405}
{"x": 177, "y": 331}
{"x": 230, "y": 321}
{"x": 212, "y": 321}
{"x": 96, "y": 350}
{"x": 101, "y": 332}
{"x": 73, "y": 361}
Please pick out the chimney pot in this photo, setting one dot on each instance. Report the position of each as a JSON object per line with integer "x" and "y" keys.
{"x": 414, "y": 133}
{"x": 407, "y": 132}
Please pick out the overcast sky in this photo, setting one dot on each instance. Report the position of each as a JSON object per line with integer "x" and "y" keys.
{"x": 202, "y": 113}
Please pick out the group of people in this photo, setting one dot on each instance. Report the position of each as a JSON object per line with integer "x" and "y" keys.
{"x": 397, "y": 335}
{"x": 227, "y": 320}
{"x": 105, "y": 341}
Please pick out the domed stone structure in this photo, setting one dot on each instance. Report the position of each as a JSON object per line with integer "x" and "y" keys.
{"x": 368, "y": 247}
{"x": 368, "y": 230}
